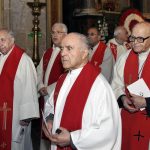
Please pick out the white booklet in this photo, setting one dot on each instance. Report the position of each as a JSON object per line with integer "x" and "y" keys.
{"x": 139, "y": 88}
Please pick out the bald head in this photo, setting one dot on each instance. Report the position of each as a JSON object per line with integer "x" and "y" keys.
{"x": 6, "y": 41}
{"x": 82, "y": 40}
{"x": 74, "y": 51}
{"x": 59, "y": 31}
{"x": 142, "y": 27}
{"x": 61, "y": 26}
{"x": 141, "y": 31}
{"x": 121, "y": 34}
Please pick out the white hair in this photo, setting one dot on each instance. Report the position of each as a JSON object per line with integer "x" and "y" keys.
{"x": 61, "y": 25}
{"x": 9, "y": 33}
{"x": 118, "y": 30}
{"x": 85, "y": 44}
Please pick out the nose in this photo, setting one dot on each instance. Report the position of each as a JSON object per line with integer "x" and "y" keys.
{"x": 54, "y": 36}
{"x": 135, "y": 41}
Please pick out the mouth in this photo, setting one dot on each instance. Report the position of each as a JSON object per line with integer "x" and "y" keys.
{"x": 64, "y": 60}
{"x": 55, "y": 39}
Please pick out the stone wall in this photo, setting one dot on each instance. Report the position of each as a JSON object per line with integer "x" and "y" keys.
{"x": 18, "y": 17}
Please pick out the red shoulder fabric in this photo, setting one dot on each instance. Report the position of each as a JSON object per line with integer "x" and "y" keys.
{"x": 113, "y": 48}
{"x": 76, "y": 100}
{"x": 98, "y": 56}
{"x": 57, "y": 68}
{"x": 7, "y": 77}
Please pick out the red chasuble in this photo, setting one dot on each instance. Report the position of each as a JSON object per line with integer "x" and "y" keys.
{"x": 135, "y": 126}
{"x": 76, "y": 99}
{"x": 7, "y": 77}
{"x": 98, "y": 56}
{"x": 113, "y": 48}
{"x": 57, "y": 68}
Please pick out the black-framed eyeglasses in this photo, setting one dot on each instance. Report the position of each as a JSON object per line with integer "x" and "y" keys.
{"x": 139, "y": 39}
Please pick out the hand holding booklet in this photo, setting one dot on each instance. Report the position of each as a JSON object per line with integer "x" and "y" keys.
{"x": 139, "y": 88}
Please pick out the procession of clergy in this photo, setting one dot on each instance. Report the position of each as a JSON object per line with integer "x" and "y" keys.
{"x": 78, "y": 97}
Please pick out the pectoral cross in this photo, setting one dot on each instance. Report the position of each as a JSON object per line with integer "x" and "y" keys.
{"x": 4, "y": 109}
{"x": 95, "y": 63}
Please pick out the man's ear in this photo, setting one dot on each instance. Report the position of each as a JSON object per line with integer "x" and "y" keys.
{"x": 85, "y": 54}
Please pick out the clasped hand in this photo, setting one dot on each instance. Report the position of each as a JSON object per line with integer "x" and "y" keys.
{"x": 62, "y": 139}
{"x": 43, "y": 91}
{"x": 134, "y": 103}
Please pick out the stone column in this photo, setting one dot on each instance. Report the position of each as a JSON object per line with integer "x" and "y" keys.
{"x": 1, "y": 13}
{"x": 48, "y": 23}
{"x": 54, "y": 14}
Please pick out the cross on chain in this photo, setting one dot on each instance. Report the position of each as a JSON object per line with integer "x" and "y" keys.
{"x": 4, "y": 109}
{"x": 139, "y": 135}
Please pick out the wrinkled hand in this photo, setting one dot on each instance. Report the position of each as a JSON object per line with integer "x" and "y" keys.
{"x": 128, "y": 105}
{"x": 43, "y": 91}
{"x": 62, "y": 139}
{"x": 48, "y": 130}
{"x": 138, "y": 101}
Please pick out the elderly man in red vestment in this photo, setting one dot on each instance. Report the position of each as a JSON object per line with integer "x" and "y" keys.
{"x": 134, "y": 65}
{"x": 100, "y": 54}
{"x": 119, "y": 44}
{"x": 82, "y": 112}
{"x": 18, "y": 95}
{"x": 48, "y": 71}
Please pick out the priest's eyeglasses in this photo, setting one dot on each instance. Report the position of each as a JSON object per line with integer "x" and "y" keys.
{"x": 139, "y": 39}
{"x": 57, "y": 33}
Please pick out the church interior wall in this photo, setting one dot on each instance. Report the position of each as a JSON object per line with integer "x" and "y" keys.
{"x": 17, "y": 16}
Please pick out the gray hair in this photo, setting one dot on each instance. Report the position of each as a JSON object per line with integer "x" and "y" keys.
{"x": 9, "y": 33}
{"x": 85, "y": 43}
{"x": 118, "y": 30}
{"x": 61, "y": 25}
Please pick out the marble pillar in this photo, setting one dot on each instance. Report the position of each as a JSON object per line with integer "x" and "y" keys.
{"x": 20, "y": 22}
